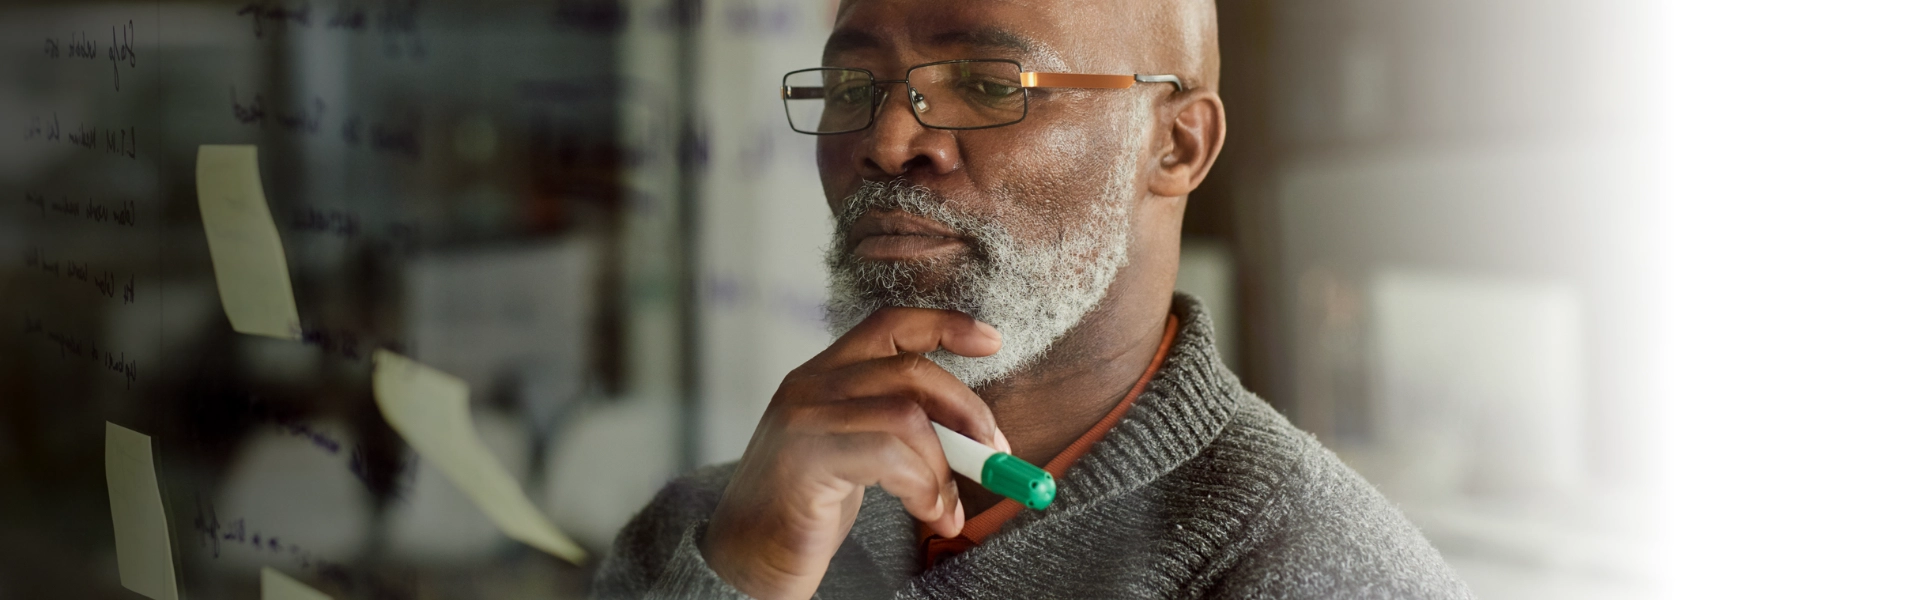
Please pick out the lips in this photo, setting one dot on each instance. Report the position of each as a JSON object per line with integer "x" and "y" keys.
{"x": 894, "y": 222}
{"x": 896, "y": 235}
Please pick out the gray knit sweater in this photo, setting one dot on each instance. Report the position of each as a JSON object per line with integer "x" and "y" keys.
{"x": 1201, "y": 491}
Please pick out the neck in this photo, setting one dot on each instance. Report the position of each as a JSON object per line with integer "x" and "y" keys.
{"x": 1048, "y": 405}
{"x": 1045, "y": 407}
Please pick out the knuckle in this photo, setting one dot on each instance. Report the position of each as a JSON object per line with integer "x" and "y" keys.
{"x": 791, "y": 416}
{"x": 794, "y": 378}
{"x": 912, "y": 365}
{"x": 784, "y": 417}
{"x": 798, "y": 452}
{"x": 890, "y": 314}
{"x": 798, "y": 386}
{"x": 959, "y": 320}
{"x": 903, "y": 461}
{"x": 877, "y": 449}
{"x": 829, "y": 388}
{"x": 906, "y": 415}
{"x": 978, "y": 416}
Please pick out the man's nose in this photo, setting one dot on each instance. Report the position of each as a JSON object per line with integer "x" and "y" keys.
{"x": 898, "y": 144}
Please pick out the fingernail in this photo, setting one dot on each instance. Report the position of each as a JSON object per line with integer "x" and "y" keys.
{"x": 959, "y": 517}
{"x": 987, "y": 329}
{"x": 1000, "y": 441}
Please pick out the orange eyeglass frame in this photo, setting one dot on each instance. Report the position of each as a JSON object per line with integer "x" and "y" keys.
{"x": 1031, "y": 79}
{"x": 1028, "y": 80}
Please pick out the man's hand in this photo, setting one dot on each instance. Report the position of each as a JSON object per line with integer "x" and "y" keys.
{"x": 858, "y": 414}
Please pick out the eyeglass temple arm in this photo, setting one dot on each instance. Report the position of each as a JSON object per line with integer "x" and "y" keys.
{"x": 1076, "y": 80}
{"x": 1030, "y": 80}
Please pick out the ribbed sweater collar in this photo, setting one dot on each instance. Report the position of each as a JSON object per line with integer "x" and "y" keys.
{"x": 1183, "y": 409}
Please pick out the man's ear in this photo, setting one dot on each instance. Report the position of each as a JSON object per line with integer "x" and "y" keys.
{"x": 1198, "y": 127}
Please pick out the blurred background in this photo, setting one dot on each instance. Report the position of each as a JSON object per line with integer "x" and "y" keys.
{"x": 1614, "y": 299}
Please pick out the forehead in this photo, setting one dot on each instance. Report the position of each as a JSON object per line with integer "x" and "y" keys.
{"x": 1037, "y": 33}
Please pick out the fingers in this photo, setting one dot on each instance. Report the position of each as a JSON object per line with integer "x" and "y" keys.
{"x": 896, "y": 416}
{"x": 885, "y": 460}
{"x": 857, "y": 422}
{"x": 933, "y": 390}
{"x": 858, "y": 414}
{"x": 895, "y": 330}
{"x": 861, "y": 411}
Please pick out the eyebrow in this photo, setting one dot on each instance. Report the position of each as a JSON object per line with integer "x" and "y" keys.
{"x": 985, "y": 37}
{"x": 988, "y": 37}
{"x": 850, "y": 40}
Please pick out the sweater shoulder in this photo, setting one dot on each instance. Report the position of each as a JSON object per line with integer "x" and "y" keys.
{"x": 646, "y": 544}
{"x": 1313, "y": 528}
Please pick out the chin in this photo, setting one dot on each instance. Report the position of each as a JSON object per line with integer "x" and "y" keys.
{"x": 934, "y": 277}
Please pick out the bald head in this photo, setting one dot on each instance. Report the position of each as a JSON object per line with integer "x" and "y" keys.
{"x": 1133, "y": 36}
{"x": 1163, "y": 36}
{"x": 1188, "y": 37}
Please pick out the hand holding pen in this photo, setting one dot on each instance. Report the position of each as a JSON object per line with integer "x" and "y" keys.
{"x": 860, "y": 413}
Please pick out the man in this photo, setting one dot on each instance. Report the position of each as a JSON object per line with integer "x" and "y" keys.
{"x": 1006, "y": 241}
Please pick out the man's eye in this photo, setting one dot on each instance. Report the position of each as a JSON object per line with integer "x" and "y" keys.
{"x": 991, "y": 89}
{"x": 853, "y": 94}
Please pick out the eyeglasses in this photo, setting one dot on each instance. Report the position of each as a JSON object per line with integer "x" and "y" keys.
{"x": 951, "y": 94}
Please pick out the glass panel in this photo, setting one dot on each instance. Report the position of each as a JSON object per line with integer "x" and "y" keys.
{"x": 829, "y": 100}
{"x": 968, "y": 94}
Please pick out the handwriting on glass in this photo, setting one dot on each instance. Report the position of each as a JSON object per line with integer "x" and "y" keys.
{"x": 117, "y": 142}
{"x": 124, "y": 214}
{"x": 73, "y": 345}
{"x": 104, "y": 281}
{"x": 399, "y": 239}
{"x": 400, "y": 137}
{"x": 80, "y": 47}
{"x": 212, "y": 533}
{"x": 357, "y": 462}
{"x": 397, "y": 22}
{"x": 345, "y": 343}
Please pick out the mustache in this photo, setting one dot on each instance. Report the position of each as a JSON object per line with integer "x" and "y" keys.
{"x": 910, "y": 198}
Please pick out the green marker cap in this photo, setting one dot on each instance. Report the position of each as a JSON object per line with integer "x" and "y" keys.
{"x": 1009, "y": 476}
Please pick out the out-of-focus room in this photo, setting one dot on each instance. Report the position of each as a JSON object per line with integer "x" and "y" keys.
{"x": 1611, "y": 299}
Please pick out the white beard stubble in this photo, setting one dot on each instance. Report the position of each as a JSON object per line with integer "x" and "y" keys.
{"x": 1032, "y": 291}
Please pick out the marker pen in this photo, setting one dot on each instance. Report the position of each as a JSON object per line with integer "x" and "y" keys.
{"x": 1003, "y": 473}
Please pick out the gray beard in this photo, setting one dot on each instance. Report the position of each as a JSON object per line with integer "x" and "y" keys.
{"x": 1033, "y": 292}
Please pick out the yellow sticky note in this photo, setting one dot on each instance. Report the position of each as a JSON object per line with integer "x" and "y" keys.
{"x": 429, "y": 409}
{"x": 249, "y": 263}
{"x": 139, "y": 520}
{"x": 275, "y": 585}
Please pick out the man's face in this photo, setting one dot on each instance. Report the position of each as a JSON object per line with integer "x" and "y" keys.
{"x": 1024, "y": 226}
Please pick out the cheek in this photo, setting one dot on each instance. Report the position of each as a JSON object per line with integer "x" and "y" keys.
{"x": 1051, "y": 184}
{"x": 832, "y": 157}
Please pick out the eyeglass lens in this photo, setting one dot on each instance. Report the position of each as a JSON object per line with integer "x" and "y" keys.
{"x": 952, "y": 95}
